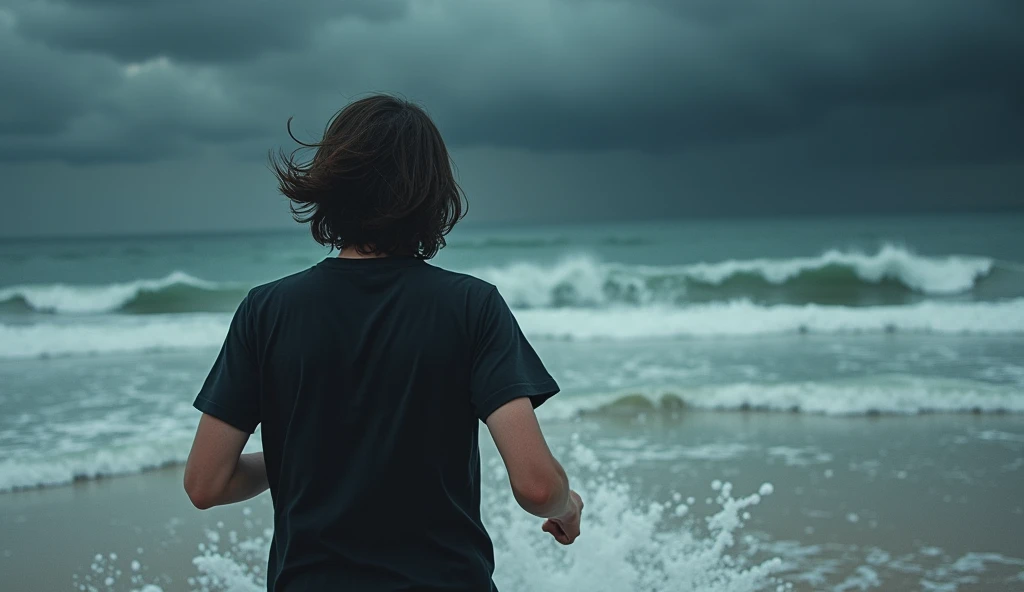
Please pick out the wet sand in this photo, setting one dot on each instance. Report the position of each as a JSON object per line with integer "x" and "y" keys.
{"x": 880, "y": 503}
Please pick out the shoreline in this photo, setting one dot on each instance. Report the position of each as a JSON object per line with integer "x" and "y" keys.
{"x": 616, "y": 407}
{"x": 938, "y": 492}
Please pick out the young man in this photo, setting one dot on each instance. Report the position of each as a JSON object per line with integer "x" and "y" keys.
{"x": 369, "y": 373}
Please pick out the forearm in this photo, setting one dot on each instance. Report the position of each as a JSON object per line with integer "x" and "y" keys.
{"x": 248, "y": 480}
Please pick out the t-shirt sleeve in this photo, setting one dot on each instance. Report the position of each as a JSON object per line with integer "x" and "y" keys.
{"x": 505, "y": 366}
{"x": 231, "y": 392}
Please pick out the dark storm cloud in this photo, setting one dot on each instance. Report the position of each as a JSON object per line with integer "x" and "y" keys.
{"x": 865, "y": 83}
{"x": 732, "y": 71}
{"x": 193, "y": 30}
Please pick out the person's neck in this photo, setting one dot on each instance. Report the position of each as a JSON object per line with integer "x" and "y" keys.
{"x": 354, "y": 253}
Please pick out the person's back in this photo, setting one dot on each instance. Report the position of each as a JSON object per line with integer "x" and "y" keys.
{"x": 369, "y": 374}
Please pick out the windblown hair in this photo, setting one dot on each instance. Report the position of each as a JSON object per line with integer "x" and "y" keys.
{"x": 380, "y": 181}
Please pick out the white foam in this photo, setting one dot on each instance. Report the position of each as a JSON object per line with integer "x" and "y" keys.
{"x": 105, "y": 335}
{"x": 580, "y": 280}
{"x": 91, "y": 299}
{"x": 127, "y": 333}
{"x": 951, "y": 274}
{"x": 19, "y": 474}
{"x": 863, "y": 579}
{"x": 800, "y": 456}
{"x": 745, "y": 318}
{"x": 60, "y": 463}
{"x": 897, "y": 395}
{"x": 975, "y": 562}
{"x": 997, "y": 436}
{"x": 714, "y": 451}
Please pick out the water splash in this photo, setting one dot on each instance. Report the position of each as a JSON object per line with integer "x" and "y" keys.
{"x": 629, "y": 544}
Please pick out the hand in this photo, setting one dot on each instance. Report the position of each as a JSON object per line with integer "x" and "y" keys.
{"x": 566, "y": 528}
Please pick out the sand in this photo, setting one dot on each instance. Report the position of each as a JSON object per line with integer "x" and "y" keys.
{"x": 886, "y": 503}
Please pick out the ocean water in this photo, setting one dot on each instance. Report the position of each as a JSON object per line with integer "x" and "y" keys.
{"x": 103, "y": 343}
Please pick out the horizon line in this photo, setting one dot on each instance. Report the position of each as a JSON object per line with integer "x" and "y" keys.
{"x": 517, "y": 223}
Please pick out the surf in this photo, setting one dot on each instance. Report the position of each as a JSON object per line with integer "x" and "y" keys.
{"x": 176, "y": 292}
{"x": 125, "y": 334}
{"x": 892, "y": 275}
{"x": 893, "y": 394}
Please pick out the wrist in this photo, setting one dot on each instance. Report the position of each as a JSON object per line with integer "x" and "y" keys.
{"x": 570, "y": 512}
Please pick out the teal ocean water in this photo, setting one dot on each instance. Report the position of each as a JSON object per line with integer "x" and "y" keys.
{"x": 104, "y": 341}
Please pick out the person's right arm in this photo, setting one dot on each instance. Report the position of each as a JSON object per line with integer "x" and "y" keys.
{"x": 538, "y": 481}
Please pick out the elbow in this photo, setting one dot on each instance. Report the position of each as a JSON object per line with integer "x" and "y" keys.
{"x": 543, "y": 496}
{"x": 535, "y": 498}
{"x": 199, "y": 492}
{"x": 201, "y": 502}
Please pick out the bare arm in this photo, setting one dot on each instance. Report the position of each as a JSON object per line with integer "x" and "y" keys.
{"x": 538, "y": 481}
{"x": 217, "y": 472}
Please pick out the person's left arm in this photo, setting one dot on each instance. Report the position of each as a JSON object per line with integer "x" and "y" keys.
{"x": 217, "y": 472}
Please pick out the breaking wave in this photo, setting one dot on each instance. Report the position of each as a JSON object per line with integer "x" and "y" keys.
{"x": 177, "y": 292}
{"x": 893, "y": 275}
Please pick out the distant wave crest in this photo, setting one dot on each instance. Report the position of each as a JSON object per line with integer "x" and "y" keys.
{"x": 177, "y": 292}
{"x": 892, "y": 275}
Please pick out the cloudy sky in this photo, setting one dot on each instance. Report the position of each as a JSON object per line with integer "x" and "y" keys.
{"x": 148, "y": 115}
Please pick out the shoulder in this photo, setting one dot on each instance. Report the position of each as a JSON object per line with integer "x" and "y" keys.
{"x": 456, "y": 282}
{"x": 473, "y": 299}
{"x": 263, "y": 294}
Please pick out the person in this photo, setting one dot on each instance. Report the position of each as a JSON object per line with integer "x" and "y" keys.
{"x": 369, "y": 374}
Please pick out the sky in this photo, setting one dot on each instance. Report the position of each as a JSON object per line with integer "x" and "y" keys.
{"x": 138, "y": 116}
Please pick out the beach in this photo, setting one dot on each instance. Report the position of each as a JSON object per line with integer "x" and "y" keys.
{"x": 888, "y": 503}
{"x": 803, "y": 404}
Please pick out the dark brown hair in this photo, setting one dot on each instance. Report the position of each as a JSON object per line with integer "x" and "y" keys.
{"x": 380, "y": 180}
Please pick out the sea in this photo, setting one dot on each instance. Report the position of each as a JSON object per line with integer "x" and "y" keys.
{"x": 709, "y": 369}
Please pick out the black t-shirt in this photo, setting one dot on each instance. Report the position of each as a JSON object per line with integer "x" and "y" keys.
{"x": 370, "y": 377}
